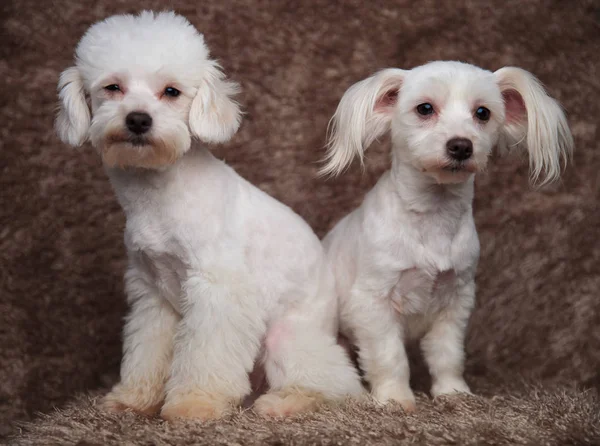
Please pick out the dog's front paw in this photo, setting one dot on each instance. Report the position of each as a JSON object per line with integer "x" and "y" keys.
{"x": 284, "y": 402}
{"x": 141, "y": 399}
{"x": 400, "y": 394}
{"x": 199, "y": 406}
{"x": 449, "y": 386}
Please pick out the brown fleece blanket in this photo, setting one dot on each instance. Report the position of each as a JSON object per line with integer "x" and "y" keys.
{"x": 534, "y": 339}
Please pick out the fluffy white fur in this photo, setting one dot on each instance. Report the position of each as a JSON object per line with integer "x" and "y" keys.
{"x": 220, "y": 274}
{"x": 405, "y": 260}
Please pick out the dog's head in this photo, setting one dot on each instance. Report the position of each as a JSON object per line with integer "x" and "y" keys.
{"x": 446, "y": 117}
{"x": 141, "y": 88}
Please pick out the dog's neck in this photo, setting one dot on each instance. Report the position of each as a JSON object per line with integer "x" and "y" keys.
{"x": 421, "y": 193}
{"x": 137, "y": 187}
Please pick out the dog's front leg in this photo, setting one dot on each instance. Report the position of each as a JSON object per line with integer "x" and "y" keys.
{"x": 147, "y": 349}
{"x": 216, "y": 345}
{"x": 443, "y": 345}
{"x": 379, "y": 336}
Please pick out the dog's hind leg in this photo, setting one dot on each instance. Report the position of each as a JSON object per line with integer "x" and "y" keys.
{"x": 305, "y": 367}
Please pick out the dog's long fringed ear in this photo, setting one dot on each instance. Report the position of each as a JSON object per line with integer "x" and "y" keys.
{"x": 214, "y": 115}
{"x": 73, "y": 119}
{"x": 363, "y": 115}
{"x": 534, "y": 121}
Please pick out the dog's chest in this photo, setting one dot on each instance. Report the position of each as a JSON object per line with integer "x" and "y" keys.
{"x": 438, "y": 258}
{"x": 420, "y": 290}
{"x": 163, "y": 260}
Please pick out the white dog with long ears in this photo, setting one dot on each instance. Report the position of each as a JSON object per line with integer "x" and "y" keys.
{"x": 405, "y": 260}
{"x": 219, "y": 273}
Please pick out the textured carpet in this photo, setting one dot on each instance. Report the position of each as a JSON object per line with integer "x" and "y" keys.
{"x": 537, "y": 321}
{"x": 537, "y": 417}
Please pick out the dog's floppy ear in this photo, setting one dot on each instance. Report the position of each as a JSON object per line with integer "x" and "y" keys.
{"x": 73, "y": 119}
{"x": 363, "y": 115}
{"x": 214, "y": 115}
{"x": 534, "y": 121}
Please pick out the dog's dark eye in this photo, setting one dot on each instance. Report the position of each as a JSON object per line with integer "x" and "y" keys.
{"x": 425, "y": 109}
{"x": 172, "y": 92}
{"x": 483, "y": 114}
{"x": 112, "y": 87}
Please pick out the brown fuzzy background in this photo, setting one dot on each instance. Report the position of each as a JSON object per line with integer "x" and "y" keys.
{"x": 534, "y": 340}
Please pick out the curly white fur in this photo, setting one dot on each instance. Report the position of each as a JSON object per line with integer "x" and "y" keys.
{"x": 220, "y": 274}
{"x": 405, "y": 260}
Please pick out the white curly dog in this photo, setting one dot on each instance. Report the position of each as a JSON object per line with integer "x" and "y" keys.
{"x": 220, "y": 274}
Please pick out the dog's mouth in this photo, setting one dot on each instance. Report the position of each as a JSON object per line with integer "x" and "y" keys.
{"x": 124, "y": 149}
{"x": 133, "y": 140}
{"x": 138, "y": 141}
{"x": 451, "y": 171}
{"x": 451, "y": 166}
{"x": 459, "y": 166}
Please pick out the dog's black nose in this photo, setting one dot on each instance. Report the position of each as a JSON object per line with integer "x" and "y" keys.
{"x": 459, "y": 149}
{"x": 138, "y": 122}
